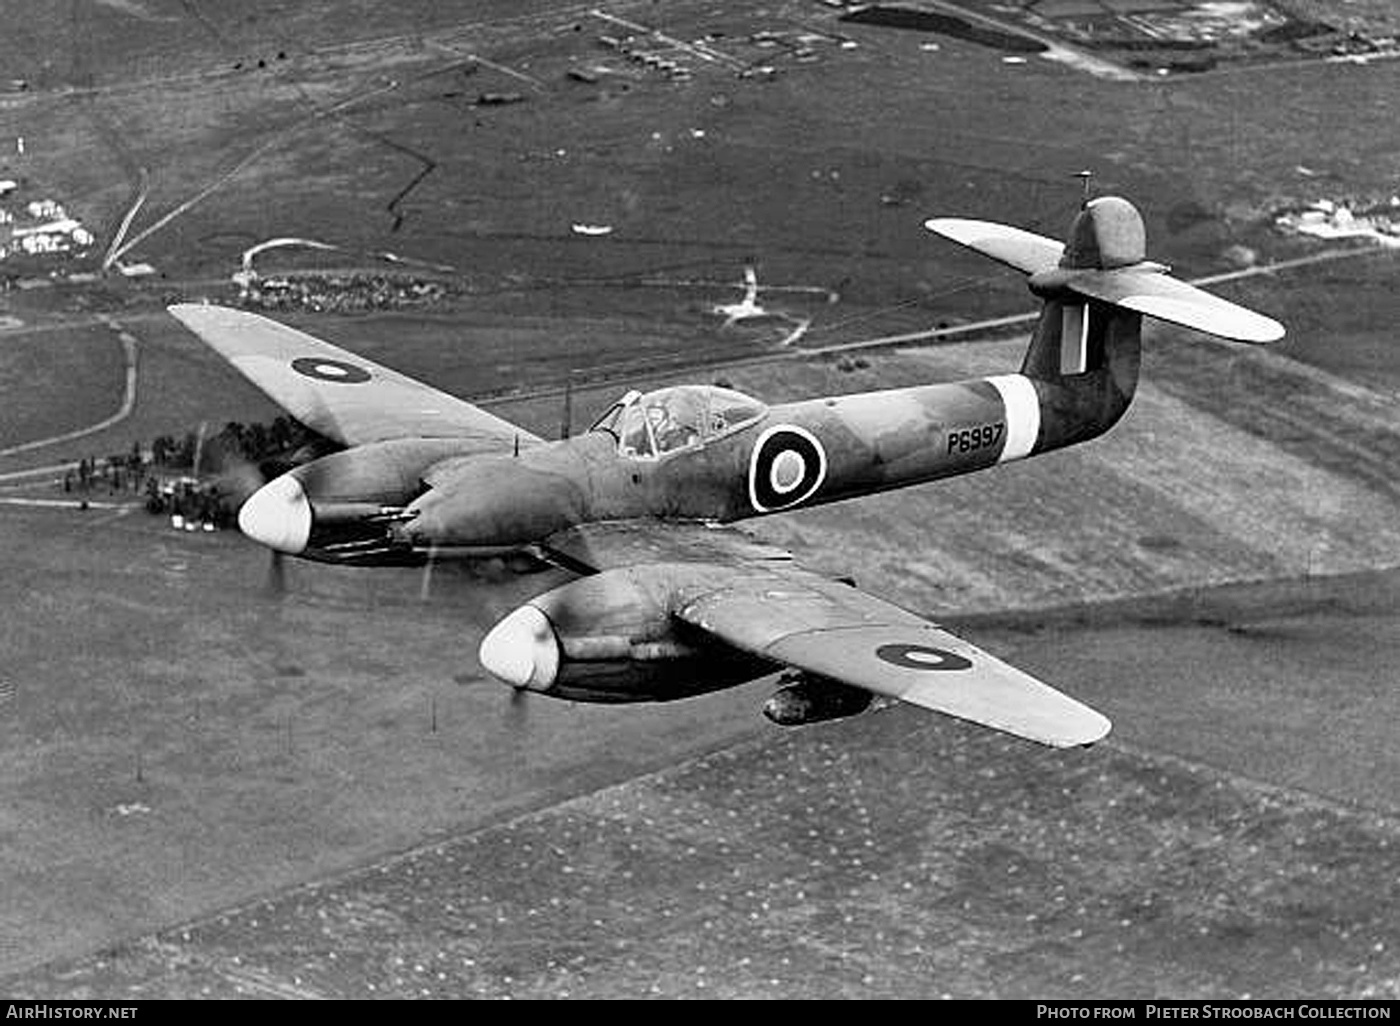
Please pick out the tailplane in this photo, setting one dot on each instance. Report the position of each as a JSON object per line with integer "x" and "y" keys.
{"x": 1105, "y": 259}
{"x": 1086, "y": 349}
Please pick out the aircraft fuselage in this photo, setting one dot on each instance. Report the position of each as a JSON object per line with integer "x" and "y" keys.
{"x": 796, "y": 454}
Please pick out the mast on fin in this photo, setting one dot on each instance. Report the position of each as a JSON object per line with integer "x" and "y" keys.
{"x": 1084, "y": 176}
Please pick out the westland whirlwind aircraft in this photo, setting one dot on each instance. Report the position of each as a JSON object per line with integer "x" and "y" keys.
{"x": 669, "y": 601}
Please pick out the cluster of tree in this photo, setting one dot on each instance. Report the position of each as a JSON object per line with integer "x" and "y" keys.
{"x": 167, "y": 451}
{"x": 208, "y": 477}
{"x": 264, "y": 445}
{"x": 237, "y": 445}
{"x": 116, "y": 473}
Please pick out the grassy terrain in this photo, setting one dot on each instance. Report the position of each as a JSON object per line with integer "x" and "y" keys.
{"x": 176, "y": 743}
{"x": 892, "y": 856}
{"x": 58, "y": 381}
{"x": 174, "y": 738}
{"x": 189, "y": 743}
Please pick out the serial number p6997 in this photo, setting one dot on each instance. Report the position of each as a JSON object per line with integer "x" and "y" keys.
{"x": 974, "y": 438}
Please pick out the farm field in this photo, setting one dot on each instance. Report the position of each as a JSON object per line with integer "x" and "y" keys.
{"x": 209, "y": 791}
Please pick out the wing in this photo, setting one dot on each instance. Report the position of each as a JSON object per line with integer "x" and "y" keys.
{"x": 838, "y": 631}
{"x": 757, "y": 600}
{"x": 335, "y": 392}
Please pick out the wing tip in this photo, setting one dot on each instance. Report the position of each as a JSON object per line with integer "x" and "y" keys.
{"x": 179, "y": 308}
{"x": 1072, "y": 725}
{"x": 1093, "y": 728}
{"x": 193, "y": 314}
{"x": 212, "y": 322}
{"x": 1269, "y": 331}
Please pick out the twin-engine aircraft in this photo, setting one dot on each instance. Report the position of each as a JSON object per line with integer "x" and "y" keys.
{"x": 668, "y": 601}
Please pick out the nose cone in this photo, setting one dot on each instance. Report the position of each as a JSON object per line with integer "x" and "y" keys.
{"x": 522, "y": 650}
{"x": 278, "y": 515}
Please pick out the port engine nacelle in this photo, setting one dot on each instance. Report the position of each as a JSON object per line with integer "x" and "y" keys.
{"x": 611, "y": 637}
{"x": 341, "y": 507}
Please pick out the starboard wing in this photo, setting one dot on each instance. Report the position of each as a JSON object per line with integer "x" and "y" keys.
{"x": 335, "y": 392}
{"x": 754, "y": 597}
{"x": 840, "y": 632}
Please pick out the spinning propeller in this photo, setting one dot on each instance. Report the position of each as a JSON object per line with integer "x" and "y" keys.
{"x": 241, "y": 478}
{"x": 517, "y": 713}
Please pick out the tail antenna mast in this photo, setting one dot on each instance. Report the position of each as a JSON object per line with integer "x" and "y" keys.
{"x": 1085, "y": 176}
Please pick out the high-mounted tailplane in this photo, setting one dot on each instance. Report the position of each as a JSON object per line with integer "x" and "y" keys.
{"x": 1084, "y": 355}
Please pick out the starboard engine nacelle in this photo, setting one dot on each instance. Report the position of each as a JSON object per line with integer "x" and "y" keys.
{"x": 611, "y": 637}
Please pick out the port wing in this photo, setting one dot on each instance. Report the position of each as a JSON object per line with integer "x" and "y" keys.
{"x": 337, "y": 393}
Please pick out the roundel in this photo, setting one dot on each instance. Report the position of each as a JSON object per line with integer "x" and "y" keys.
{"x": 338, "y": 371}
{"x": 921, "y": 657}
{"x": 788, "y": 464}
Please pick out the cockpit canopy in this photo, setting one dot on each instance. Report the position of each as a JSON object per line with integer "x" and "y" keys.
{"x": 670, "y": 419}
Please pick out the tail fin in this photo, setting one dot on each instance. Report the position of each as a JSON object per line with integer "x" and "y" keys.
{"x": 1084, "y": 356}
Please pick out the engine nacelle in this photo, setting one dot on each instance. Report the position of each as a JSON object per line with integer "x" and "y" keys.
{"x": 339, "y": 508}
{"x": 611, "y": 637}
{"x": 812, "y": 699}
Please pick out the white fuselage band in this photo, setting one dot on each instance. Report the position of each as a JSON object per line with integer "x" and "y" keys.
{"x": 1022, "y": 415}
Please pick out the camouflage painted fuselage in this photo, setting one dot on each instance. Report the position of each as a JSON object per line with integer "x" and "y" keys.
{"x": 792, "y": 455}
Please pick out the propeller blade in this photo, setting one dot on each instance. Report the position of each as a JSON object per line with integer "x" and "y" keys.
{"x": 425, "y": 583}
{"x": 517, "y": 714}
{"x": 277, "y": 575}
